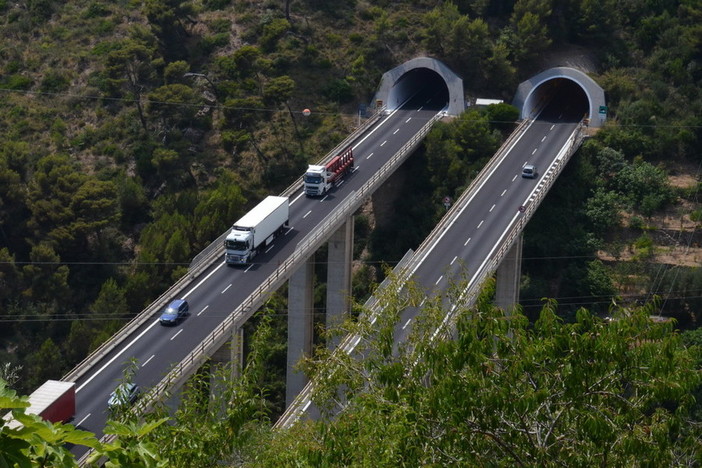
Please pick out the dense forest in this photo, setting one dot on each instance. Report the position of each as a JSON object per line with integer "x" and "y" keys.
{"x": 136, "y": 132}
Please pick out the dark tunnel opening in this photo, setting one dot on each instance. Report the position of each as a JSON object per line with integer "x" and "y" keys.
{"x": 416, "y": 87}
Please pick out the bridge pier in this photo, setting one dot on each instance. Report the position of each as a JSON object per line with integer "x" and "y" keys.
{"x": 339, "y": 277}
{"x": 300, "y": 326}
{"x": 508, "y": 276}
{"x": 301, "y": 304}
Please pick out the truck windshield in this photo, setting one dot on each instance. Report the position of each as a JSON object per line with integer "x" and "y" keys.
{"x": 312, "y": 178}
{"x": 237, "y": 245}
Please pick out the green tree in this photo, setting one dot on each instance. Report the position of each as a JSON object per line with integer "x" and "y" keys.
{"x": 45, "y": 363}
{"x": 218, "y": 208}
{"x": 169, "y": 19}
{"x": 130, "y": 68}
{"x": 602, "y": 209}
{"x": 45, "y": 279}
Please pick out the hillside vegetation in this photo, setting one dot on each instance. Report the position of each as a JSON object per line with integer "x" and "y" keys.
{"x": 136, "y": 132}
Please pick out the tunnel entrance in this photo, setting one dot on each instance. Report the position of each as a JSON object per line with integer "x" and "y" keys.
{"x": 422, "y": 75}
{"x": 581, "y": 95}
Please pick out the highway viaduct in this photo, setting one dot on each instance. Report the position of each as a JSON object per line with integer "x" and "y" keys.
{"x": 413, "y": 96}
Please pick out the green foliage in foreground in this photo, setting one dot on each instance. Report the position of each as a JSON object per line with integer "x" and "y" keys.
{"x": 507, "y": 392}
{"x": 502, "y": 392}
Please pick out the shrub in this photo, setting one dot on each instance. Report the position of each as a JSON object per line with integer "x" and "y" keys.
{"x": 16, "y": 82}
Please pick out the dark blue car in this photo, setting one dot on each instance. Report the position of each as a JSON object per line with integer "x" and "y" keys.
{"x": 176, "y": 311}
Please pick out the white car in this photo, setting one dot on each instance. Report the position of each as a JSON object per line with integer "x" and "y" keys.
{"x": 529, "y": 171}
{"x": 125, "y": 393}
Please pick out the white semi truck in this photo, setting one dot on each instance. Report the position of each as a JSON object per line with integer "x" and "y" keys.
{"x": 256, "y": 230}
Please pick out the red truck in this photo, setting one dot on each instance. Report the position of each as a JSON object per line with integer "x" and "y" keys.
{"x": 319, "y": 179}
{"x": 54, "y": 401}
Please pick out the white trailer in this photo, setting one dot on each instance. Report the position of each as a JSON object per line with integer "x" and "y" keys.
{"x": 256, "y": 230}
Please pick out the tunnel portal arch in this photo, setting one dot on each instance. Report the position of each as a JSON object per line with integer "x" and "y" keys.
{"x": 396, "y": 85}
{"x": 531, "y": 93}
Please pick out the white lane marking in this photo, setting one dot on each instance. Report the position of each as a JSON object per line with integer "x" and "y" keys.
{"x": 147, "y": 361}
{"x": 493, "y": 207}
{"x": 466, "y": 242}
{"x": 396, "y": 131}
{"x": 383, "y": 143}
{"x": 203, "y": 280}
{"x": 288, "y": 231}
{"x": 323, "y": 198}
{"x": 248, "y": 268}
{"x": 454, "y": 259}
{"x": 83, "y": 420}
{"x": 542, "y": 140}
{"x": 355, "y": 342}
{"x": 298, "y": 197}
{"x": 440, "y": 278}
{"x": 420, "y": 108}
{"x": 225, "y": 289}
{"x": 359, "y": 142}
{"x": 407, "y": 121}
{"x": 117, "y": 355}
{"x": 481, "y": 223}
{"x": 552, "y": 126}
{"x": 204, "y": 309}
{"x": 177, "y": 333}
{"x": 307, "y": 405}
{"x": 307, "y": 214}
{"x": 525, "y": 163}
{"x": 534, "y": 151}
{"x": 406, "y": 323}
{"x": 503, "y": 192}
{"x": 515, "y": 176}
{"x": 369, "y": 156}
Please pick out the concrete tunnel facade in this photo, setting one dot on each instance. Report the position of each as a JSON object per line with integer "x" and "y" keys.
{"x": 399, "y": 83}
{"x": 532, "y": 93}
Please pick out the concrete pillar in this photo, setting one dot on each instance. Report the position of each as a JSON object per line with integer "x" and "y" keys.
{"x": 232, "y": 353}
{"x": 226, "y": 364}
{"x": 339, "y": 277}
{"x": 508, "y": 277}
{"x": 300, "y": 326}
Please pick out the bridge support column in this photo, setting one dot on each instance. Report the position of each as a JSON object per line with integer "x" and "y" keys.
{"x": 227, "y": 362}
{"x": 231, "y": 353}
{"x": 300, "y": 326}
{"x": 339, "y": 277}
{"x": 508, "y": 276}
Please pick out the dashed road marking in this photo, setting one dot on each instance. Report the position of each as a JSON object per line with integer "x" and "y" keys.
{"x": 177, "y": 333}
{"x": 203, "y": 309}
{"x": 147, "y": 361}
